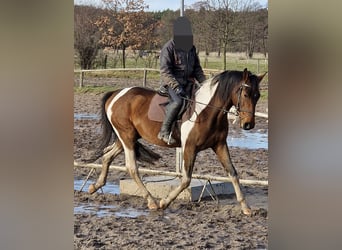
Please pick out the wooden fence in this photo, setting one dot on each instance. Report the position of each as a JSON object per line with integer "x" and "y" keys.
{"x": 145, "y": 70}
{"x": 174, "y": 174}
{"x": 82, "y": 71}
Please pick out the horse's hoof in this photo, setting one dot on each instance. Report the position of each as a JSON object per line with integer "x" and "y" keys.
{"x": 91, "y": 189}
{"x": 152, "y": 205}
{"x": 247, "y": 211}
{"x": 162, "y": 204}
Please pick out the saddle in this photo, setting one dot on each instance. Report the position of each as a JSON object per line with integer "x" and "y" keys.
{"x": 157, "y": 109}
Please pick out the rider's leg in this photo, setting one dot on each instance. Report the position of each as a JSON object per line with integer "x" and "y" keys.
{"x": 171, "y": 114}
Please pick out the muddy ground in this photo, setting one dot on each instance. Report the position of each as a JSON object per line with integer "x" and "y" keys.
{"x": 184, "y": 225}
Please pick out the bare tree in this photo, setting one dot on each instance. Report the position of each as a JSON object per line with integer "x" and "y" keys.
{"x": 223, "y": 21}
{"x": 86, "y": 35}
{"x": 264, "y": 39}
{"x": 253, "y": 22}
{"x": 166, "y": 25}
{"x": 205, "y": 37}
{"x": 200, "y": 28}
{"x": 236, "y": 21}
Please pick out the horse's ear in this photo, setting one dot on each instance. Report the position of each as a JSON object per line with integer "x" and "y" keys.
{"x": 260, "y": 77}
{"x": 245, "y": 75}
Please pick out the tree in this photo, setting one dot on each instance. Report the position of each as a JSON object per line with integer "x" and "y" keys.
{"x": 253, "y": 29}
{"x": 165, "y": 31}
{"x": 86, "y": 35}
{"x": 127, "y": 26}
{"x": 224, "y": 20}
{"x": 236, "y": 22}
{"x": 205, "y": 35}
{"x": 264, "y": 39}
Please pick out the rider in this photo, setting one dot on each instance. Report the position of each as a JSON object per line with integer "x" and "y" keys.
{"x": 179, "y": 67}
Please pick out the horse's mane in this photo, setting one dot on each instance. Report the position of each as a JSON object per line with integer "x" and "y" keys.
{"x": 226, "y": 82}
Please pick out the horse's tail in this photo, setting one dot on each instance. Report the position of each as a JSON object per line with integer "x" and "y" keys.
{"x": 144, "y": 154}
{"x": 107, "y": 130}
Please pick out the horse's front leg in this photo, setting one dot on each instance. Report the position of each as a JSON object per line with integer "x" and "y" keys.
{"x": 222, "y": 152}
{"x": 188, "y": 163}
{"x": 110, "y": 153}
{"x": 133, "y": 171}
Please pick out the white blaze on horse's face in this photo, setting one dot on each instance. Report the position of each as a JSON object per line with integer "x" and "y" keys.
{"x": 248, "y": 97}
{"x": 246, "y": 107}
{"x": 203, "y": 96}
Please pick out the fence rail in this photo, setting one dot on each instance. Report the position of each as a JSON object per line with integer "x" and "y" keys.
{"x": 175, "y": 174}
{"x": 82, "y": 71}
{"x": 145, "y": 70}
{"x": 206, "y": 71}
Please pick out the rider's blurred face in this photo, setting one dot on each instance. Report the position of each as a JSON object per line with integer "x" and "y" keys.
{"x": 182, "y": 34}
{"x": 183, "y": 42}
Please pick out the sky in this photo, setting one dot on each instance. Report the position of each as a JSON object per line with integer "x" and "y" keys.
{"x": 156, "y": 5}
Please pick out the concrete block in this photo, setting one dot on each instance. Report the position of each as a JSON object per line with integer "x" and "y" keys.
{"x": 161, "y": 186}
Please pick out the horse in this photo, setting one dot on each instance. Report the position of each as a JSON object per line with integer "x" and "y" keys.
{"x": 124, "y": 116}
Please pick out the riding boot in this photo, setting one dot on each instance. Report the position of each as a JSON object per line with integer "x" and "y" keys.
{"x": 165, "y": 131}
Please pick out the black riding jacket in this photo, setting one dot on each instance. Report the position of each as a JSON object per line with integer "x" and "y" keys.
{"x": 178, "y": 67}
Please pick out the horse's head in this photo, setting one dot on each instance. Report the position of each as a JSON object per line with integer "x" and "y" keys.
{"x": 247, "y": 95}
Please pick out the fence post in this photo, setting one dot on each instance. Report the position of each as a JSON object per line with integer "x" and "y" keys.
{"x": 81, "y": 78}
{"x": 179, "y": 160}
{"x": 258, "y": 66}
{"x": 144, "y": 80}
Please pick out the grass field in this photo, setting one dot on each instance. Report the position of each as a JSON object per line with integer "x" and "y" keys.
{"x": 235, "y": 61}
{"x": 104, "y": 89}
{"x": 211, "y": 65}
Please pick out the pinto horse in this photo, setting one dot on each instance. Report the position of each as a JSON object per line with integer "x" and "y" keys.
{"x": 125, "y": 116}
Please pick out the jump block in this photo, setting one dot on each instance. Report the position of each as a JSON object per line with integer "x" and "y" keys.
{"x": 161, "y": 186}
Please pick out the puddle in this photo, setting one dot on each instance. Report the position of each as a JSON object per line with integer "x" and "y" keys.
{"x": 131, "y": 213}
{"x": 249, "y": 140}
{"x": 104, "y": 210}
{"x": 110, "y": 187}
{"x": 107, "y": 210}
{"x": 85, "y": 116}
{"x": 98, "y": 210}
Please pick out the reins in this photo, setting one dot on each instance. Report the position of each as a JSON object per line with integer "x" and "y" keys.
{"x": 208, "y": 105}
{"x": 237, "y": 110}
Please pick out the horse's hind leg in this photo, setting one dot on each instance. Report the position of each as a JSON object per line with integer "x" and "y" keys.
{"x": 223, "y": 155}
{"x": 133, "y": 171}
{"x": 110, "y": 153}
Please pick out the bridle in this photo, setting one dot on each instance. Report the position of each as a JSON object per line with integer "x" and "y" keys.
{"x": 238, "y": 108}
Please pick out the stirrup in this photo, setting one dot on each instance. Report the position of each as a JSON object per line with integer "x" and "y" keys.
{"x": 167, "y": 138}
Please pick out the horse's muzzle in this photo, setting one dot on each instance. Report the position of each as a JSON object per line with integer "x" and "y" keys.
{"x": 248, "y": 125}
